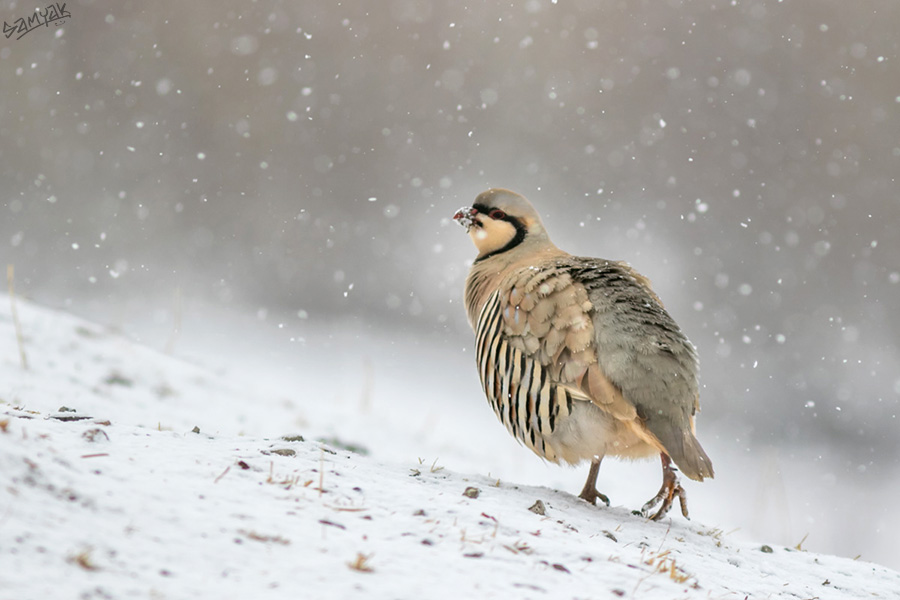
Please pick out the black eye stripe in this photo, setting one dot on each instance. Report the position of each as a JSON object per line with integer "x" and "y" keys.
{"x": 494, "y": 213}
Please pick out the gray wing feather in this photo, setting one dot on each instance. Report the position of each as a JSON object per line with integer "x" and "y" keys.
{"x": 644, "y": 353}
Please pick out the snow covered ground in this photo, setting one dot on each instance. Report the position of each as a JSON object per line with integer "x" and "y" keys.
{"x": 129, "y": 473}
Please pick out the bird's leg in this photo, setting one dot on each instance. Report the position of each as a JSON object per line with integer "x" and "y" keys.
{"x": 667, "y": 493}
{"x": 589, "y": 492}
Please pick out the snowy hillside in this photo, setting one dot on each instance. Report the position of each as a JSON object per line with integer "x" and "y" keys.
{"x": 126, "y": 473}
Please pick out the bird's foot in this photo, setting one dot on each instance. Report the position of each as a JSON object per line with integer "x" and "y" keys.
{"x": 592, "y": 495}
{"x": 589, "y": 491}
{"x": 671, "y": 488}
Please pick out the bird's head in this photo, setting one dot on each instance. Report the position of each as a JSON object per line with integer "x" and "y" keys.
{"x": 499, "y": 221}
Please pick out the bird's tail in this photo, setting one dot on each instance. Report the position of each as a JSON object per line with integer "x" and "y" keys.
{"x": 694, "y": 462}
{"x": 684, "y": 449}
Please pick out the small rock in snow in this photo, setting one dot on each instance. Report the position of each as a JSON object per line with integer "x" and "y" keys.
{"x": 471, "y": 492}
{"x": 538, "y": 508}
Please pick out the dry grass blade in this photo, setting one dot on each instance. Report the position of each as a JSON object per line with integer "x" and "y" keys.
{"x": 83, "y": 560}
{"x": 10, "y": 279}
{"x": 258, "y": 537}
{"x": 361, "y": 563}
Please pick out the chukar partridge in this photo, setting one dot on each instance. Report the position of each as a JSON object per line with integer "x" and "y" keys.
{"x": 577, "y": 356}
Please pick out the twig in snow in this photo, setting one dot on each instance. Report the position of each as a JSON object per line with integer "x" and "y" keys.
{"x": 322, "y": 471}
{"x": 346, "y": 508}
{"x": 331, "y": 524}
{"x": 10, "y": 280}
{"x": 663, "y": 541}
{"x": 216, "y": 480}
{"x": 258, "y": 537}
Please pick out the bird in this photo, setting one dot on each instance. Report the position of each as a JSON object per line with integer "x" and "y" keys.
{"x": 577, "y": 356}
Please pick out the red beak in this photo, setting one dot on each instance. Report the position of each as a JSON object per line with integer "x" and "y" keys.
{"x": 465, "y": 217}
{"x": 465, "y": 212}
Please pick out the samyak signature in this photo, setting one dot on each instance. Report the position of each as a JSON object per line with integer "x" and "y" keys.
{"x": 41, "y": 17}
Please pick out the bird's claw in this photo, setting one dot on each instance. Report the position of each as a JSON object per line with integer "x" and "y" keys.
{"x": 592, "y": 495}
{"x": 671, "y": 488}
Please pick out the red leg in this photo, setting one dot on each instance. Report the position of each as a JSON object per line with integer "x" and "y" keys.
{"x": 589, "y": 492}
{"x": 670, "y": 489}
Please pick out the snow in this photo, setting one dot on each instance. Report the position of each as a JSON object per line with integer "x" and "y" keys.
{"x": 128, "y": 473}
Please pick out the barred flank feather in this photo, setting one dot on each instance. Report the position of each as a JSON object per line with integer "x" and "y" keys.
{"x": 515, "y": 385}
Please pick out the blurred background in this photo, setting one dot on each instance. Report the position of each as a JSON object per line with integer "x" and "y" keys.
{"x": 175, "y": 168}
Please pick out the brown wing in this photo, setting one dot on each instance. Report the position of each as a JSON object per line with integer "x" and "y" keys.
{"x": 546, "y": 315}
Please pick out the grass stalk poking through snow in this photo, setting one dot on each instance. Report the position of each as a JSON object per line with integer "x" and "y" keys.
{"x": 10, "y": 279}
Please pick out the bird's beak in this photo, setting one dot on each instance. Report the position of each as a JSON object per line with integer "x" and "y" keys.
{"x": 466, "y": 217}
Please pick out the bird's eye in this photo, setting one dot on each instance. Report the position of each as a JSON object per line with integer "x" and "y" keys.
{"x": 497, "y": 214}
